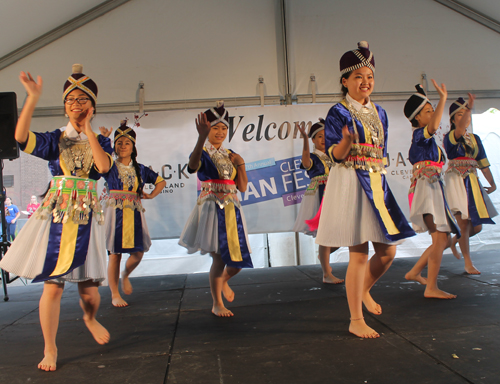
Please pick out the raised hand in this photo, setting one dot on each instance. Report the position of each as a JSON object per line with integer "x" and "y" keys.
{"x": 302, "y": 129}
{"x": 441, "y": 90}
{"x": 87, "y": 128}
{"x": 106, "y": 132}
{"x": 33, "y": 88}
{"x": 203, "y": 126}
{"x": 470, "y": 102}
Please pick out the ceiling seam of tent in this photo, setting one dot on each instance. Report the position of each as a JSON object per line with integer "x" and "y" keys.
{"x": 472, "y": 14}
{"x": 60, "y": 31}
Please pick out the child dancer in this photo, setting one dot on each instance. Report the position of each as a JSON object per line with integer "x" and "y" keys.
{"x": 468, "y": 199}
{"x": 126, "y": 228}
{"x": 318, "y": 166}
{"x": 359, "y": 207}
{"x": 65, "y": 239}
{"x": 429, "y": 210}
{"x": 216, "y": 224}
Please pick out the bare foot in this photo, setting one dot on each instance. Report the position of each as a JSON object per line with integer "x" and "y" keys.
{"x": 227, "y": 292}
{"x": 418, "y": 278}
{"x": 471, "y": 270}
{"x": 453, "y": 246}
{"x": 360, "y": 329}
{"x": 437, "y": 294}
{"x": 49, "y": 361}
{"x": 330, "y": 279}
{"x": 221, "y": 311}
{"x": 371, "y": 305}
{"x": 101, "y": 334}
{"x": 118, "y": 302}
{"x": 126, "y": 285}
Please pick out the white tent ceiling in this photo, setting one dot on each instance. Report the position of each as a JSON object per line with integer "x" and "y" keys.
{"x": 206, "y": 49}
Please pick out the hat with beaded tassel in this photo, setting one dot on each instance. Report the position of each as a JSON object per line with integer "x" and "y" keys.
{"x": 317, "y": 127}
{"x": 125, "y": 131}
{"x": 415, "y": 103}
{"x": 218, "y": 114}
{"x": 457, "y": 105}
{"x": 357, "y": 58}
{"x": 80, "y": 81}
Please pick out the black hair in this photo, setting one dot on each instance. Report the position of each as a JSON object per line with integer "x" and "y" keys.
{"x": 44, "y": 193}
{"x": 343, "y": 88}
{"x": 137, "y": 170}
{"x": 414, "y": 122}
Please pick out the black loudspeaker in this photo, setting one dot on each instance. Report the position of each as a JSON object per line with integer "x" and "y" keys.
{"x": 8, "y": 120}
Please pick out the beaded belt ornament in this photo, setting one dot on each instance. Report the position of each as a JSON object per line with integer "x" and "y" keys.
{"x": 71, "y": 198}
{"x": 367, "y": 157}
{"x": 463, "y": 166}
{"x": 430, "y": 170}
{"x": 123, "y": 199}
{"x": 223, "y": 192}
{"x": 315, "y": 183}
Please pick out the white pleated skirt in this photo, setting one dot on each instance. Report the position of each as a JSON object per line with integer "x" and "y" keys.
{"x": 428, "y": 199}
{"x": 201, "y": 232}
{"x": 26, "y": 255}
{"x": 309, "y": 207}
{"x": 347, "y": 217}
{"x": 110, "y": 225}
{"x": 456, "y": 196}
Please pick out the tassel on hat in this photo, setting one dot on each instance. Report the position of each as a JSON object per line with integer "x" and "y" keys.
{"x": 218, "y": 114}
{"x": 357, "y": 58}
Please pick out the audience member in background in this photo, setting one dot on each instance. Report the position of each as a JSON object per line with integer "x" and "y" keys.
{"x": 11, "y": 215}
{"x": 32, "y": 206}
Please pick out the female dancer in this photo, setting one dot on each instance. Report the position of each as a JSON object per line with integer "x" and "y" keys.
{"x": 317, "y": 165}
{"x": 359, "y": 207}
{"x": 466, "y": 196}
{"x": 429, "y": 210}
{"x": 65, "y": 242}
{"x": 216, "y": 224}
{"x": 126, "y": 228}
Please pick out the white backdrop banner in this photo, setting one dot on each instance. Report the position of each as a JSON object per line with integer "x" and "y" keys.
{"x": 271, "y": 146}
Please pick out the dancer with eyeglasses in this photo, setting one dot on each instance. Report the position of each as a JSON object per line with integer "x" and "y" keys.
{"x": 64, "y": 241}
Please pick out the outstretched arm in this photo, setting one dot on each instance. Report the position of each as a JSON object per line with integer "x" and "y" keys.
{"x": 34, "y": 90}
{"x": 306, "y": 156}
{"x": 465, "y": 121}
{"x": 438, "y": 113}
{"x": 203, "y": 127}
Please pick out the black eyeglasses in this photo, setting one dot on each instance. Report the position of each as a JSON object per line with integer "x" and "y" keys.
{"x": 79, "y": 100}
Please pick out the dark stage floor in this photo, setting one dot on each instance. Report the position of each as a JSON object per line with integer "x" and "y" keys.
{"x": 288, "y": 328}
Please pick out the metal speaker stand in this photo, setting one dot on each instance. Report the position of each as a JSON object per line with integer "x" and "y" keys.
{"x": 4, "y": 243}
